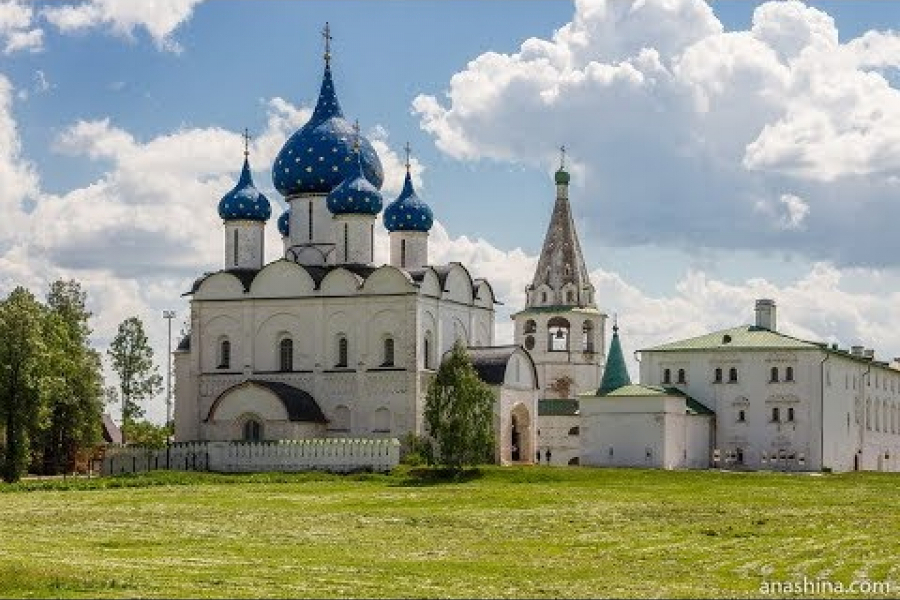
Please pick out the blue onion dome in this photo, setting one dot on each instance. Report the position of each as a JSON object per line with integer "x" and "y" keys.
{"x": 320, "y": 155}
{"x": 355, "y": 196}
{"x": 408, "y": 212}
{"x": 245, "y": 202}
{"x": 284, "y": 223}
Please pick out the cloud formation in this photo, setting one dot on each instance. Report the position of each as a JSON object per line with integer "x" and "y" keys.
{"x": 159, "y": 18}
{"x": 17, "y": 32}
{"x": 682, "y": 131}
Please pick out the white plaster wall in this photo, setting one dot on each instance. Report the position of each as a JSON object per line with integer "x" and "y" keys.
{"x": 635, "y": 429}
{"x": 251, "y": 244}
{"x": 284, "y": 301}
{"x": 322, "y": 232}
{"x": 416, "y": 249}
{"x": 828, "y": 398}
{"x": 230, "y": 431}
{"x": 358, "y": 231}
{"x": 185, "y": 415}
{"x": 553, "y": 433}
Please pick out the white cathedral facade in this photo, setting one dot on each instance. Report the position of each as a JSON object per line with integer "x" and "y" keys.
{"x": 323, "y": 343}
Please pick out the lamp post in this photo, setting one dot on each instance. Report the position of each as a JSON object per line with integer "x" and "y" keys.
{"x": 168, "y": 315}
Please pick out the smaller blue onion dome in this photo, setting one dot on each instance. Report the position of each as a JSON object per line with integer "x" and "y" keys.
{"x": 284, "y": 223}
{"x": 245, "y": 202}
{"x": 408, "y": 212}
{"x": 355, "y": 195}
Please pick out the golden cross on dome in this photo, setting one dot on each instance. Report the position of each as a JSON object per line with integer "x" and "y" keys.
{"x": 562, "y": 157}
{"x": 326, "y": 33}
{"x": 408, "y": 151}
{"x": 246, "y": 136}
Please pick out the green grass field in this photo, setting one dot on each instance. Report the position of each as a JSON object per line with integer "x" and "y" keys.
{"x": 511, "y": 532}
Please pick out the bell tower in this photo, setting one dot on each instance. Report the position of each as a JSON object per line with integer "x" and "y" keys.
{"x": 560, "y": 325}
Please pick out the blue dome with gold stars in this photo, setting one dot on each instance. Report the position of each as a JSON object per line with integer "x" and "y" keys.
{"x": 408, "y": 212}
{"x": 355, "y": 195}
{"x": 284, "y": 223}
{"x": 320, "y": 155}
{"x": 244, "y": 202}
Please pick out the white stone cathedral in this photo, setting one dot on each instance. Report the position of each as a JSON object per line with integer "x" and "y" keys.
{"x": 323, "y": 342}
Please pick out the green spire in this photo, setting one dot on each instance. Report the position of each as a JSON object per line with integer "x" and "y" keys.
{"x": 615, "y": 374}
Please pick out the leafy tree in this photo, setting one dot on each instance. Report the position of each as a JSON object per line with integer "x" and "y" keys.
{"x": 132, "y": 360}
{"x": 147, "y": 434}
{"x": 459, "y": 412}
{"x": 24, "y": 374}
{"x": 75, "y": 393}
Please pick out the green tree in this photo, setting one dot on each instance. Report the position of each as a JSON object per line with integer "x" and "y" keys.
{"x": 24, "y": 375}
{"x": 147, "y": 434}
{"x": 75, "y": 396}
{"x": 132, "y": 360}
{"x": 459, "y": 413}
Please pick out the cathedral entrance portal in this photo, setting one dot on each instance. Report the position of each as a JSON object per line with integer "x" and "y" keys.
{"x": 520, "y": 443}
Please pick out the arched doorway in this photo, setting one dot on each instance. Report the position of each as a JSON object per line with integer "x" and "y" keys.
{"x": 520, "y": 435}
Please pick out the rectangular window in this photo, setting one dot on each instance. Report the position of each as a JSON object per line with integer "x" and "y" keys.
{"x": 742, "y": 416}
{"x": 310, "y": 224}
{"x": 776, "y": 414}
{"x": 790, "y": 415}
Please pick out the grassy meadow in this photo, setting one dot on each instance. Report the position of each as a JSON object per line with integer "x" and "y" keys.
{"x": 507, "y": 532}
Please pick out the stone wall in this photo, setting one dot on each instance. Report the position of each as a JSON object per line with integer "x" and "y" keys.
{"x": 338, "y": 455}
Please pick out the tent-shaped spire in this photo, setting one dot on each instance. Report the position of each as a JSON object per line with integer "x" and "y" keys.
{"x": 615, "y": 374}
{"x": 561, "y": 261}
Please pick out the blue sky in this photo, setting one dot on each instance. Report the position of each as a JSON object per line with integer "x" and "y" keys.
{"x": 719, "y": 152}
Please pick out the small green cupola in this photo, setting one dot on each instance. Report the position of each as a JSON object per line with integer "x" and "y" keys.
{"x": 615, "y": 374}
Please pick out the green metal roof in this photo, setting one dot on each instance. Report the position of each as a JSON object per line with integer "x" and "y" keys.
{"x": 557, "y": 408}
{"x": 745, "y": 337}
{"x": 615, "y": 373}
{"x": 636, "y": 390}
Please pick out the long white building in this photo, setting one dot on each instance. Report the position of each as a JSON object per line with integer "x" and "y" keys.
{"x": 781, "y": 402}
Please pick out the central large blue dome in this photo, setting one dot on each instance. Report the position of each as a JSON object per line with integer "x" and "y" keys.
{"x": 320, "y": 155}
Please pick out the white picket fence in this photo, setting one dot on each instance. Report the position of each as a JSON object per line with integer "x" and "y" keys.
{"x": 339, "y": 455}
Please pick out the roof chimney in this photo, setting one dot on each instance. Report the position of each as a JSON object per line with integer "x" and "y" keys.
{"x": 869, "y": 353}
{"x": 856, "y": 350}
{"x": 765, "y": 314}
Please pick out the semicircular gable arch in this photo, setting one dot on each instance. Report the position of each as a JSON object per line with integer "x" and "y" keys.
{"x": 388, "y": 279}
{"x": 484, "y": 295}
{"x": 459, "y": 285}
{"x": 283, "y": 279}
{"x": 340, "y": 282}
{"x": 220, "y": 286}
{"x": 431, "y": 284}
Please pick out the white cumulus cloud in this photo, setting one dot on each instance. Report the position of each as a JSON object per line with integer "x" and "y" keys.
{"x": 159, "y": 18}
{"x": 681, "y": 129}
{"x": 17, "y": 31}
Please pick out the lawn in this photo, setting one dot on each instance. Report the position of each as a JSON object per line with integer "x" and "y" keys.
{"x": 510, "y": 532}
